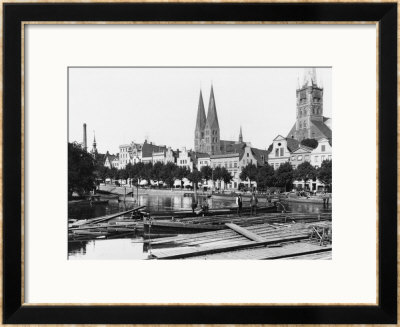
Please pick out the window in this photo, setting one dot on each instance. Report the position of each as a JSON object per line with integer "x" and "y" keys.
{"x": 329, "y": 157}
{"x": 307, "y": 158}
{"x": 282, "y": 152}
{"x": 293, "y": 158}
{"x": 322, "y": 158}
{"x": 230, "y": 164}
{"x": 276, "y": 152}
{"x": 316, "y": 158}
{"x": 323, "y": 148}
{"x": 247, "y": 155}
{"x": 299, "y": 158}
{"x": 235, "y": 164}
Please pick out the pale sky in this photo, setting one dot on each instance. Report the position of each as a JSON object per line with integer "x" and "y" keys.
{"x": 131, "y": 104}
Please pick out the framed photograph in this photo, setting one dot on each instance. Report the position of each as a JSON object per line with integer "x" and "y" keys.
{"x": 199, "y": 163}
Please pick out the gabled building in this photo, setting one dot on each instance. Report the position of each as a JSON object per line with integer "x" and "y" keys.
{"x": 281, "y": 150}
{"x": 322, "y": 152}
{"x": 300, "y": 155}
{"x": 186, "y": 159}
{"x": 149, "y": 149}
{"x": 109, "y": 159}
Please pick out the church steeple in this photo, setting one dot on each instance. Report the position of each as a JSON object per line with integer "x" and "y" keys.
{"x": 309, "y": 105}
{"x": 240, "y": 135}
{"x": 200, "y": 125}
{"x": 212, "y": 135}
{"x": 94, "y": 149}
{"x": 212, "y": 117}
{"x": 201, "y": 114}
{"x": 310, "y": 77}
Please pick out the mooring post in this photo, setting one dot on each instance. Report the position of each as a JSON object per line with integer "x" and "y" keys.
{"x": 124, "y": 193}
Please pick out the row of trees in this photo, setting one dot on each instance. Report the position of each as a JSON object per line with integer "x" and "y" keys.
{"x": 167, "y": 173}
{"x": 285, "y": 175}
{"x": 84, "y": 172}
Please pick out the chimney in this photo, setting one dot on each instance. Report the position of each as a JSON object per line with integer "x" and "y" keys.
{"x": 84, "y": 137}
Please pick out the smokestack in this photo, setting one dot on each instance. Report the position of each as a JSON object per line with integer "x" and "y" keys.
{"x": 84, "y": 137}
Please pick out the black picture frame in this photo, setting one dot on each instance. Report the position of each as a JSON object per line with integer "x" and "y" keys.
{"x": 14, "y": 312}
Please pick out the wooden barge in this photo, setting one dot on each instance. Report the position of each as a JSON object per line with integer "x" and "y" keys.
{"x": 200, "y": 224}
{"x": 211, "y": 212}
{"x": 258, "y": 242}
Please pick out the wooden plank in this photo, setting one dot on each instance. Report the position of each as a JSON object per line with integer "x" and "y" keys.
{"x": 192, "y": 252}
{"x": 246, "y": 233}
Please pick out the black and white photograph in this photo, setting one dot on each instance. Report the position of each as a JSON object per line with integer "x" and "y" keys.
{"x": 199, "y": 163}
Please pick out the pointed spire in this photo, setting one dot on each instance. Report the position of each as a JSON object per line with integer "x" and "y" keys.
{"x": 310, "y": 77}
{"x": 201, "y": 114}
{"x": 94, "y": 138}
{"x": 212, "y": 118}
{"x": 240, "y": 135}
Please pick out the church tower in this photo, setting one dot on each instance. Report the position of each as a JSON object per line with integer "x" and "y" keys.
{"x": 94, "y": 149}
{"x": 212, "y": 135}
{"x": 309, "y": 99}
{"x": 200, "y": 125}
{"x": 240, "y": 135}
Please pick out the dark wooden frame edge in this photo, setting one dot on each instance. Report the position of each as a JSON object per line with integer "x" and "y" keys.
{"x": 384, "y": 13}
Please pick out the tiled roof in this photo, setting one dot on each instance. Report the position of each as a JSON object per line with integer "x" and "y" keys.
{"x": 202, "y": 155}
{"x": 292, "y": 144}
{"x": 323, "y": 128}
{"x": 258, "y": 154}
{"x": 292, "y": 131}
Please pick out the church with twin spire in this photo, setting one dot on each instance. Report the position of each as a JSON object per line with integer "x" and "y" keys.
{"x": 207, "y": 138}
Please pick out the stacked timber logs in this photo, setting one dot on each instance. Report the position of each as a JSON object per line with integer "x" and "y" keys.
{"x": 107, "y": 226}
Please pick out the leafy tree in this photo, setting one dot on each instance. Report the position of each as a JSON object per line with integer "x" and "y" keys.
{"x": 168, "y": 173}
{"x": 113, "y": 173}
{"x": 123, "y": 174}
{"x": 181, "y": 173}
{"x": 206, "y": 173}
{"x": 147, "y": 171}
{"x": 129, "y": 171}
{"x": 226, "y": 176}
{"x": 324, "y": 173}
{"x": 81, "y": 166}
{"x": 265, "y": 177}
{"x": 305, "y": 172}
{"x": 311, "y": 143}
{"x": 284, "y": 176}
{"x": 195, "y": 177}
{"x": 102, "y": 172}
{"x": 137, "y": 171}
{"x": 218, "y": 174}
{"x": 249, "y": 173}
{"x": 156, "y": 171}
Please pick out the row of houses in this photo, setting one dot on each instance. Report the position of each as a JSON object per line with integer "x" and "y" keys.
{"x": 236, "y": 157}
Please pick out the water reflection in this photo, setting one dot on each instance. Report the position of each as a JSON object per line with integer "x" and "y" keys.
{"x": 132, "y": 247}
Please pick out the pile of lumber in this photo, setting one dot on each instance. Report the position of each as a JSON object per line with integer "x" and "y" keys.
{"x": 257, "y": 241}
{"x": 120, "y": 224}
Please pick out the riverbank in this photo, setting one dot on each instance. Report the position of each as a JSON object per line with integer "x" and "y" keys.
{"x": 121, "y": 190}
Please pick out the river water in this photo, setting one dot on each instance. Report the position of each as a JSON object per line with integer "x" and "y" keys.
{"x": 133, "y": 247}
